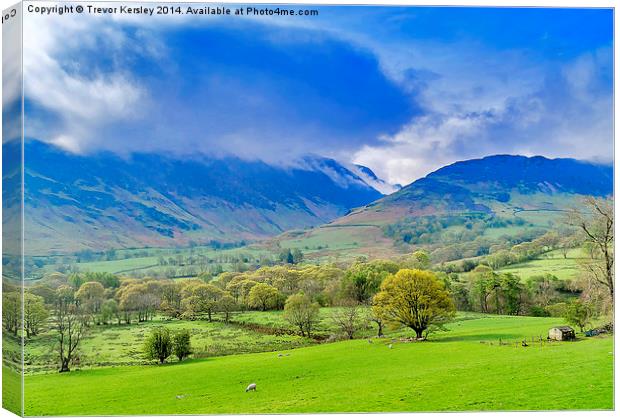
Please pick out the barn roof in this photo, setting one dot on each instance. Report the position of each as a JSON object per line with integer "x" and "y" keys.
{"x": 563, "y": 328}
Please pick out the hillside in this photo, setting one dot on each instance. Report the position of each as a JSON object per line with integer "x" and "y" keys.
{"x": 103, "y": 201}
{"x": 512, "y": 197}
{"x": 353, "y": 376}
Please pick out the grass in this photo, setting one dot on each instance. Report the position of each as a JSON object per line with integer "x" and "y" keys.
{"x": 454, "y": 372}
{"x": 553, "y": 262}
{"x": 275, "y": 319}
{"x": 118, "y": 266}
{"x": 343, "y": 242}
{"x": 11, "y": 390}
{"x": 150, "y": 263}
{"x": 113, "y": 345}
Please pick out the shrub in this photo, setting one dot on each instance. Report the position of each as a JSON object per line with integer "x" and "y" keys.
{"x": 538, "y": 311}
{"x": 158, "y": 345}
{"x": 579, "y": 313}
{"x": 181, "y": 346}
{"x": 557, "y": 309}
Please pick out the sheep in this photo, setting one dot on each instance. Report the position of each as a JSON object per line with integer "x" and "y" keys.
{"x": 251, "y": 386}
{"x": 390, "y": 346}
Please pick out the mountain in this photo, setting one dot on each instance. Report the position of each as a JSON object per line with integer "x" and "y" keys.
{"x": 371, "y": 179}
{"x": 476, "y": 184}
{"x": 492, "y": 200}
{"x": 103, "y": 201}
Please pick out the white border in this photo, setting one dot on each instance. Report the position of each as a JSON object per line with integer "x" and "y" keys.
{"x": 485, "y": 3}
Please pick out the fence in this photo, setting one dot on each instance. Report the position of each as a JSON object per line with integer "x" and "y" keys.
{"x": 533, "y": 341}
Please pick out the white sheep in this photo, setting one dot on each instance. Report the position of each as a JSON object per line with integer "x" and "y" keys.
{"x": 390, "y": 346}
{"x": 251, "y": 386}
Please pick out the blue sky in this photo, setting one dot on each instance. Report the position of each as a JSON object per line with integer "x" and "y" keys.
{"x": 401, "y": 90}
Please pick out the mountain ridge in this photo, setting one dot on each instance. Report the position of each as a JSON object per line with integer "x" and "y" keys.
{"x": 104, "y": 201}
{"x": 514, "y": 197}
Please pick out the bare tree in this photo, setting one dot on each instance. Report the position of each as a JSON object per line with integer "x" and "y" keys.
{"x": 349, "y": 318}
{"x": 69, "y": 325}
{"x": 372, "y": 317}
{"x": 596, "y": 223}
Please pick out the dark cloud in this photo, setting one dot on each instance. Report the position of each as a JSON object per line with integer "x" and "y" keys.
{"x": 232, "y": 90}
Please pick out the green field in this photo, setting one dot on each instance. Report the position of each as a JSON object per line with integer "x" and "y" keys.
{"x": 462, "y": 369}
{"x": 121, "y": 345}
{"x": 477, "y": 364}
{"x": 11, "y": 390}
{"x": 552, "y": 262}
{"x": 149, "y": 264}
{"x": 114, "y": 345}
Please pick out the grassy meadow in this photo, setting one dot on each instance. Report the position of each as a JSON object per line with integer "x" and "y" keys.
{"x": 478, "y": 362}
{"x": 465, "y": 364}
{"x": 552, "y": 262}
{"x": 113, "y": 345}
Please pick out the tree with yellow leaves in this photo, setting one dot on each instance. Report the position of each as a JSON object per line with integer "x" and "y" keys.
{"x": 414, "y": 298}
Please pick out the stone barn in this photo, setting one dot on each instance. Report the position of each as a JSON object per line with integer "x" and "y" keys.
{"x": 562, "y": 333}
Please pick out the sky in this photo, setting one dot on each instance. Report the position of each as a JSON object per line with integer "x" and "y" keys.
{"x": 401, "y": 90}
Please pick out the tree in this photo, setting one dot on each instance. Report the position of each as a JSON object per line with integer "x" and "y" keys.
{"x": 171, "y": 298}
{"x": 415, "y": 299}
{"x": 208, "y": 296}
{"x": 512, "y": 293}
{"x": 47, "y": 292}
{"x": 362, "y": 280}
{"x": 597, "y": 227}
{"x": 90, "y": 295}
{"x": 481, "y": 282}
{"x": 578, "y": 313}
{"x": 68, "y": 323}
{"x": 263, "y": 296}
{"x": 566, "y": 244}
{"x": 301, "y": 312}
{"x": 158, "y": 345}
{"x": 226, "y": 305}
{"x": 12, "y": 311}
{"x": 348, "y": 318}
{"x": 138, "y": 298}
{"x": 298, "y": 256}
{"x": 543, "y": 289}
{"x": 35, "y": 314}
{"x": 286, "y": 256}
{"x": 419, "y": 260}
{"x": 109, "y": 310}
{"x": 181, "y": 346}
{"x": 200, "y": 298}
{"x": 376, "y": 316}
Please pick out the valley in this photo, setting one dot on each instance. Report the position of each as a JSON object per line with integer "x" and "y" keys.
{"x": 502, "y": 249}
{"x": 325, "y": 209}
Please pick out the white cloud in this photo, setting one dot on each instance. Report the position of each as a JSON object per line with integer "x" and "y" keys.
{"x": 11, "y": 77}
{"x": 84, "y": 101}
{"x": 496, "y": 103}
{"x": 425, "y": 144}
{"x": 477, "y": 101}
